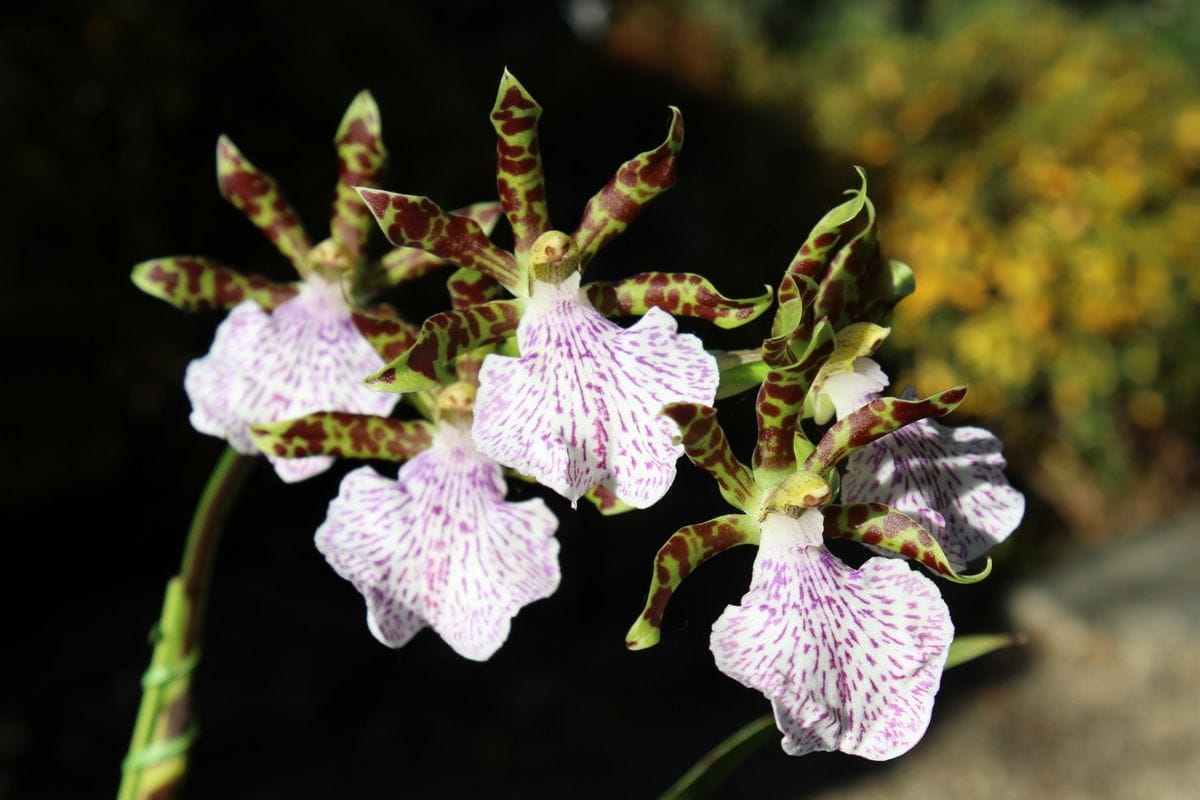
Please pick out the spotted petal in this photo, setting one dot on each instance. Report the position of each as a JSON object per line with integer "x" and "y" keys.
{"x": 361, "y": 162}
{"x": 440, "y": 547}
{"x": 955, "y": 473}
{"x": 679, "y": 293}
{"x": 849, "y": 658}
{"x": 257, "y": 195}
{"x": 519, "y": 179}
{"x": 195, "y": 283}
{"x": 305, "y": 356}
{"x": 581, "y": 404}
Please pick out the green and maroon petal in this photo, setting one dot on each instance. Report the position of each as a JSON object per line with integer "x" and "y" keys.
{"x": 444, "y": 337}
{"x": 705, "y": 443}
{"x": 688, "y": 548}
{"x": 781, "y": 402}
{"x": 888, "y": 529}
{"x": 408, "y": 263}
{"x": 336, "y": 433}
{"x": 875, "y": 420}
{"x": 680, "y": 293}
{"x": 361, "y": 162}
{"x": 386, "y": 330}
{"x": 257, "y": 195}
{"x": 468, "y": 287}
{"x": 860, "y": 285}
{"x": 637, "y": 182}
{"x": 792, "y": 323}
{"x": 519, "y": 178}
{"x": 195, "y": 283}
{"x": 411, "y": 221}
{"x": 605, "y": 501}
{"x": 810, "y": 259}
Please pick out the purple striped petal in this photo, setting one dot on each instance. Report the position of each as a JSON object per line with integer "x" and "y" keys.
{"x": 439, "y": 546}
{"x": 580, "y": 407}
{"x": 303, "y": 357}
{"x": 850, "y": 659}
{"x": 952, "y": 479}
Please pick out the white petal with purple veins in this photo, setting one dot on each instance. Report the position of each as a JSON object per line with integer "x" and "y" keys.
{"x": 958, "y": 472}
{"x": 850, "y": 659}
{"x": 439, "y": 546}
{"x": 845, "y": 392}
{"x": 306, "y": 356}
{"x": 581, "y": 405}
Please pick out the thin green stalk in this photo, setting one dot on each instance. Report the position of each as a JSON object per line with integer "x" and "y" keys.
{"x": 722, "y": 760}
{"x": 163, "y": 732}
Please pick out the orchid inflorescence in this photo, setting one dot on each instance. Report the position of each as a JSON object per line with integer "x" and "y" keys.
{"x": 526, "y": 376}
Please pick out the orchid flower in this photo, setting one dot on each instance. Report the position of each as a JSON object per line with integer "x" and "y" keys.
{"x": 578, "y": 408}
{"x": 286, "y": 350}
{"x": 437, "y": 546}
{"x": 850, "y": 658}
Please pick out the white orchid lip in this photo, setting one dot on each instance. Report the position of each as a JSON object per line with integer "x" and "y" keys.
{"x": 303, "y": 357}
{"x": 850, "y": 659}
{"x": 440, "y": 547}
{"x": 580, "y": 406}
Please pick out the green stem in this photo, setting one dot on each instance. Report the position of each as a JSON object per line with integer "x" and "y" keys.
{"x": 718, "y": 763}
{"x": 163, "y": 732}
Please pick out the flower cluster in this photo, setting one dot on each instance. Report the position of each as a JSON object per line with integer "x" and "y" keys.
{"x": 526, "y": 374}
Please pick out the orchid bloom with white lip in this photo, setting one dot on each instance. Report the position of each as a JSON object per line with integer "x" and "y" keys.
{"x": 578, "y": 409}
{"x": 437, "y": 546}
{"x": 286, "y": 350}
{"x": 874, "y": 641}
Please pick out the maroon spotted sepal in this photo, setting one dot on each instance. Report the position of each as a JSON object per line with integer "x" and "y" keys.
{"x": 875, "y": 420}
{"x": 335, "y": 433}
{"x": 781, "y": 402}
{"x": 605, "y": 501}
{"x": 468, "y": 287}
{"x": 411, "y": 221}
{"x": 811, "y": 258}
{"x": 361, "y": 162}
{"x": 637, "y": 182}
{"x": 444, "y": 337}
{"x": 386, "y": 330}
{"x": 792, "y": 326}
{"x": 688, "y": 548}
{"x": 860, "y": 285}
{"x": 195, "y": 283}
{"x": 679, "y": 293}
{"x": 886, "y": 528}
{"x": 707, "y": 447}
{"x": 257, "y": 195}
{"x": 519, "y": 179}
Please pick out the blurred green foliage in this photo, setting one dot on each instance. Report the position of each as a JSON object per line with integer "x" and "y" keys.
{"x": 1040, "y": 169}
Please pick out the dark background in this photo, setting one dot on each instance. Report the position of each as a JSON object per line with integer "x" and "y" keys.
{"x": 109, "y": 114}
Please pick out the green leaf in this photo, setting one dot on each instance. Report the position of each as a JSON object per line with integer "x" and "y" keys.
{"x": 679, "y": 293}
{"x": 637, "y": 182}
{"x": 195, "y": 283}
{"x": 361, "y": 162}
{"x": 876, "y": 420}
{"x": 886, "y": 528}
{"x": 705, "y": 444}
{"x": 688, "y": 548}
{"x": 969, "y": 648}
{"x": 411, "y": 221}
{"x": 444, "y": 337}
{"x": 336, "y": 433}
{"x": 257, "y": 195}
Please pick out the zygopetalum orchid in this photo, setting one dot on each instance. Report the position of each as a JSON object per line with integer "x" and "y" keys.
{"x": 289, "y": 349}
{"x": 849, "y": 658}
{"x": 438, "y": 545}
{"x": 578, "y": 407}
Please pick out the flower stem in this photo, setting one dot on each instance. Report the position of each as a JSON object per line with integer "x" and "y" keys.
{"x": 717, "y": 764}
{"x": 163, "y": 732}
